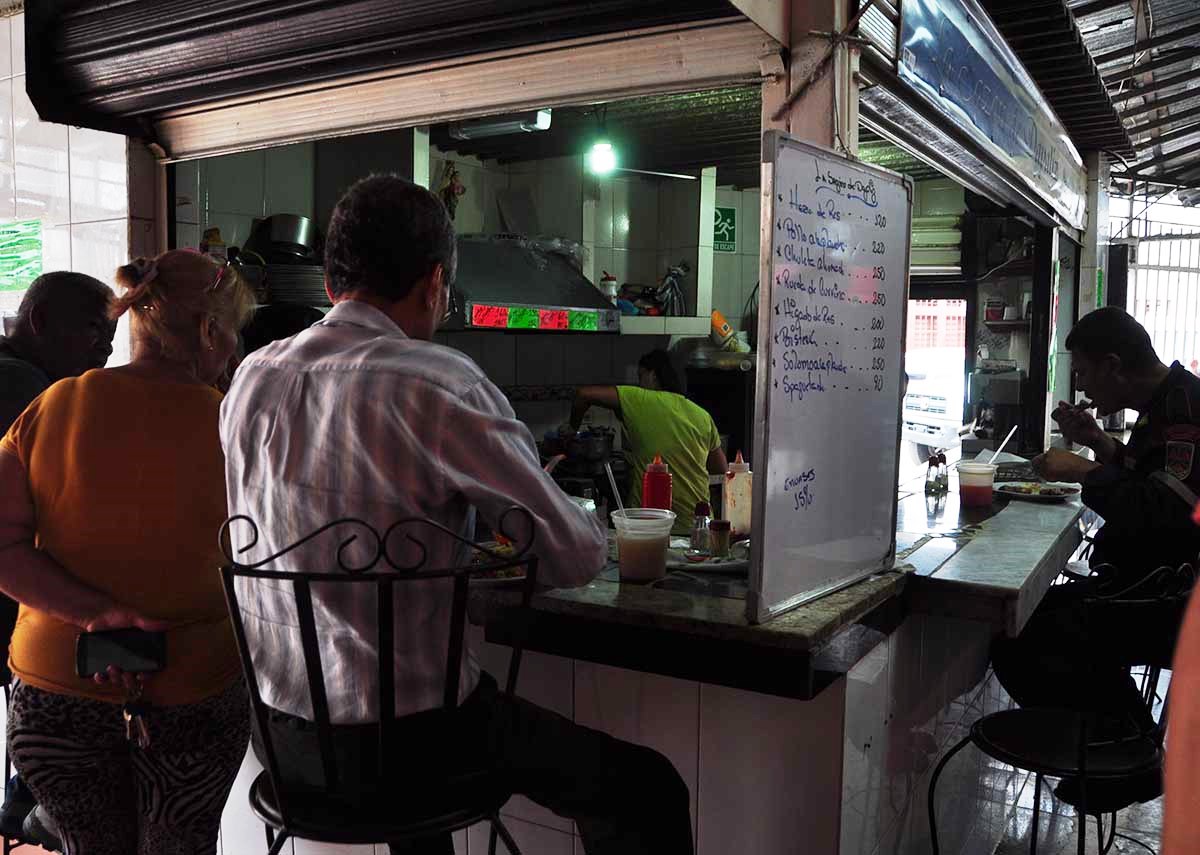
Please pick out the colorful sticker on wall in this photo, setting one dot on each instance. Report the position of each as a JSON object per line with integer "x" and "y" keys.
{"x": 725, "y": 230}
{"x": 1100, "y": 288}
{"x": 1052, "y": 360}
{"x": 20, "y": 254}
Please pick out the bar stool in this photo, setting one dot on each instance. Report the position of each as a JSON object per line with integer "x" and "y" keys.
{"x": 436, "y": 806}
{"x": 1056, "y": 742}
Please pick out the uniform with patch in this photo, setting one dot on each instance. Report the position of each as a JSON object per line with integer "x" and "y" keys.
{"x": 1146, "y": 494}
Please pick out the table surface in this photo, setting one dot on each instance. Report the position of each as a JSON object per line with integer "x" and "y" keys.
{"x": 992, "y": 564}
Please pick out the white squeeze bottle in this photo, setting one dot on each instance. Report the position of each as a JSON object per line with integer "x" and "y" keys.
{"x": 736, "y": 496}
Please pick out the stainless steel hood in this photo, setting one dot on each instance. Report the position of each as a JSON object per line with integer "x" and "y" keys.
{"x": 512, "y": 283}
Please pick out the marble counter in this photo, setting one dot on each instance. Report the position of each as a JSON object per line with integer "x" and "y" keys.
{"x": 992, "y": 566}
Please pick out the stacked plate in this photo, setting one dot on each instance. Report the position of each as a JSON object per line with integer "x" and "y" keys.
{"x": 296, "y": 283}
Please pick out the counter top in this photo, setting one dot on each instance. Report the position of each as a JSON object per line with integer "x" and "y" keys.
{"x": 993, "y": 565}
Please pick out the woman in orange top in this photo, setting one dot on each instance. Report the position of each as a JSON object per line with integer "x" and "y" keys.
{"x": 111, "y": 495}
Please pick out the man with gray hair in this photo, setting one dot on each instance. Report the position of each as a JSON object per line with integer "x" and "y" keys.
{"x": 62, "y": 329}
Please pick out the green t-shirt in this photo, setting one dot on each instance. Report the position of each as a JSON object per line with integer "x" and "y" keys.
{"x": 683, "y": 433}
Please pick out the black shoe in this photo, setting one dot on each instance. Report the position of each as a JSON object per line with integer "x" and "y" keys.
{"x": 39, "y": 828}
{"x": 18, "y": 802}
{"x": 1106, "y": 796}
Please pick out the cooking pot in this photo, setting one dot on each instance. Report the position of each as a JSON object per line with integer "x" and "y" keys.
{"x": 290, "y": 234}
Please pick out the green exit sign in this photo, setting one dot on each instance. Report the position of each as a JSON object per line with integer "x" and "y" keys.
{"x": 725, "y": 230}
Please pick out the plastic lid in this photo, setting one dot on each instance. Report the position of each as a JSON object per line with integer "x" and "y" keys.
{"x": 657, "y": 465}
{"x": 719, "y": 525}
{"x": 739, "y": 465}
{"x": 703, "y": 509}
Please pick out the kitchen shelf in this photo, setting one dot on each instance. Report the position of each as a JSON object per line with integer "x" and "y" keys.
{"x": 1008, "y": 326}
{"x": 661, "y": 325}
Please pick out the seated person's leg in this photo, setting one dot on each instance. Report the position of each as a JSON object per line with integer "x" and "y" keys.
{"x": 625, "y": 798}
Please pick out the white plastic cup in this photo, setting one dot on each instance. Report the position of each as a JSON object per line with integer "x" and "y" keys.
{"x": 643, "y": 536}
{"x": 975, "y": 481}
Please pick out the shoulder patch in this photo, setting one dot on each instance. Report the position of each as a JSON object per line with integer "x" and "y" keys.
{"x": 1180, "y": 456}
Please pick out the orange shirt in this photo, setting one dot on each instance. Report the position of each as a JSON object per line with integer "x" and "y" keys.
{"x": 128, "y": 484}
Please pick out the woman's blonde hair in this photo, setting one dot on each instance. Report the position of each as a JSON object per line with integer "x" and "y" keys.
{"x": 167, "y": 297}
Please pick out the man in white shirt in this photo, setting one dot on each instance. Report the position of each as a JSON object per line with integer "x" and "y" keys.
{"x": 363, "y": 416}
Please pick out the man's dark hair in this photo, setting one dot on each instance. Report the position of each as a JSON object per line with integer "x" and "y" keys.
{"x": 1113, "y": 330}
{"x": 659, "y": 361}
{"x": 51, "y": 289}
{"x": 277, "y": 321}
{"x": 385, "y": 234}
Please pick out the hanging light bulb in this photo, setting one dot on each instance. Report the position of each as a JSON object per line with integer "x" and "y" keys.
{"x": 602, "y": 158}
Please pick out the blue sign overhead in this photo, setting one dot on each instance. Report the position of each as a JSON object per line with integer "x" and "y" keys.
{"x": 951, "y": 53}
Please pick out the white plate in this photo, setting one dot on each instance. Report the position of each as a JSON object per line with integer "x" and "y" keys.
{"x": 1003, "y": 490}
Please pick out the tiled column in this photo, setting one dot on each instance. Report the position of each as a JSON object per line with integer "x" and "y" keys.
{"x": 1093, "y": 264}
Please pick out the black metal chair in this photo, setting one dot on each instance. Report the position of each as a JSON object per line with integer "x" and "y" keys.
{"x": 438, "y": 805}
{"x": 1055, "y": 742}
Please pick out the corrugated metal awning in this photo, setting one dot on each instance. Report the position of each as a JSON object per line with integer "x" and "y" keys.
{"x": 123, "y": 66}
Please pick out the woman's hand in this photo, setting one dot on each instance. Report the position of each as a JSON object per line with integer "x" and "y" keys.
{"x": 121, "y": 617}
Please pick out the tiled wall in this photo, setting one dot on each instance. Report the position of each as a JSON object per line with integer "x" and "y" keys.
{"x": 735, "y": 274}
{"x": 93, "y": 191}
{"x": 907, "y": 703}
{"x": 230, "y": 191}
{"x": 554, "y": 360}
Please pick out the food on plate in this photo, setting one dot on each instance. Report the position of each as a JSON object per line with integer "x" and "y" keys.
{"x": 1035, "y": 489}
{"x": 499, "y": 552}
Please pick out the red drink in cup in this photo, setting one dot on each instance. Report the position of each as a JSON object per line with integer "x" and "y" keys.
{"x": 975, "y": 484}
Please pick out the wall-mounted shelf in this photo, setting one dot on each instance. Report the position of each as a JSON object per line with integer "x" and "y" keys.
{"x": 1020, "y": 325}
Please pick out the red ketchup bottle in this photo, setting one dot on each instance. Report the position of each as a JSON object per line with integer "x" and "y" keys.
{"x": 656, "y": 485}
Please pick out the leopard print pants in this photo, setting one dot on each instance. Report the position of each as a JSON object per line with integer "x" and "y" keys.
{"x": 110, "y": 797}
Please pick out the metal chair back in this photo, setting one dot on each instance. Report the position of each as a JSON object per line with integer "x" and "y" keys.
{"x": 383, "y": 574}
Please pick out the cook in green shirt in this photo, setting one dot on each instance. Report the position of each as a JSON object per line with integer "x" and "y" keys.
{"x": 659, "y": 420}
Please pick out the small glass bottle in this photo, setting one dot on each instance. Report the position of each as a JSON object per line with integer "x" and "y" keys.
{"x": 931, "y": 476}
{"x": 943, "y": 473}
{"x": 700, "y": 539}
{"x": 719, "y": 538}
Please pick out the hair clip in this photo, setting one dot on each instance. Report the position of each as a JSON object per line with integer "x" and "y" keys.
{"x": 146, "y": 270}
{"x": 220, "y": 275}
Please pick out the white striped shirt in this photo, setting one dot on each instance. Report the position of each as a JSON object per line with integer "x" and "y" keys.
{"x": 352, "y": 418}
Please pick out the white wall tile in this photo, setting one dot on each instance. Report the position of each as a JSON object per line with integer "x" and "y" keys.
{"x": 235, "y": 228}
{"x": 235, "y": 183}
{"x": 604, "y": 212}
{"x": 8, "y": 196}
{"x": 643, "y": 214}
{"x": 187, "y": 235}
{"x": 532, "y": 839}
{"x": 99, "y": 248}
{"x": 308, "y": 847}
{"x": 189, "y": 205}
{"x": 639, "y": 266}
{"x": 18, "y": 44}
{"x": 751, "y": 213}
{"x": 43, "y": 183}
{"x": 587, "y": 359}
{"x": 659, "y": 712}
{"x": 602, "y": 260}
{"x": 539, "y": 360}
{"x": 727, "y": 287}
{"x": 56, "y": 249}
{"x": 498, "y": 357}
{"x": 99, "y": 171}
{"x": 560, "y": 197}
{"x": 495, "y": 181}
{"x": 6, "y": 48}
{"x": 867, "y": 811}
{"x": 468, "y": 215}
{"x": 766, "y": 765}
{"x": 142, "y": 238}
{"x": 289, "y": 182}
{"x": 143, "y": 181}
{"x": 241, "y": 830}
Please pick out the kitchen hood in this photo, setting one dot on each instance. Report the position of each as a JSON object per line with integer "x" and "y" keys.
{"x": 514, "y": 283}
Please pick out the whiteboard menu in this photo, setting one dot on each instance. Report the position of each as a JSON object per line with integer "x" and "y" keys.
{"x": 830, "y": 363}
